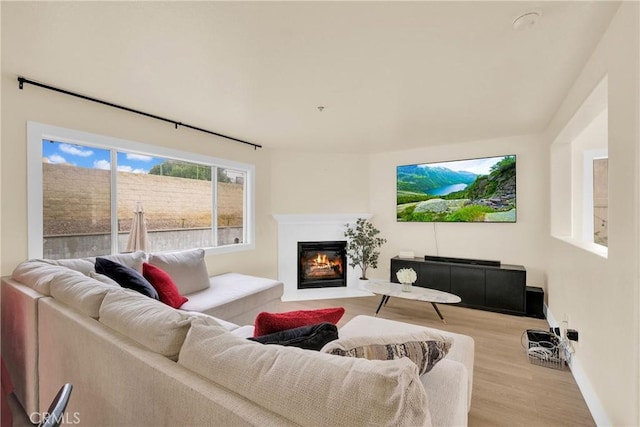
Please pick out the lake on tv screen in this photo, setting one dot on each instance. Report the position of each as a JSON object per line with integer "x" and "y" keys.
{"x": 447, "y": 189}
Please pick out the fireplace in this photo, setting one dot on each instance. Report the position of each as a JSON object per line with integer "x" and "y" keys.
{"x": 322, "y": 264}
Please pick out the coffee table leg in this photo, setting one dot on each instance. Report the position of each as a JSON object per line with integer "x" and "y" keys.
{"x": 438, "y": 311}
{"x": 383, "y": 300}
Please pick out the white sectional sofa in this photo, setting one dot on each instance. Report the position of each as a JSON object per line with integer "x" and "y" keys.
{"x": 135, "y": 361}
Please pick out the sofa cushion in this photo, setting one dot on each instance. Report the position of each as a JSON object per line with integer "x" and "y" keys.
{"x": 187, "y": 269}
{"x": 333, "y": 390}
{"x": 126, "y": 277}
{"x": 164, "y": 285}
{"x": 133, "y": 260}
{"x": 421, "y": 348}
{"x": 103, "y": 279}
{"x": 156, "y": 326}
{"x": 268, "y": 323}
{"x": 37, "y": 274}
{"x": 236, "y": 297}
{"x": 81, "y": 292}
{"x": 245, "y": 331}
{"x": 312, "y": 337}
{"x": 82, "y": 265}
{"x": 215, "y": 320}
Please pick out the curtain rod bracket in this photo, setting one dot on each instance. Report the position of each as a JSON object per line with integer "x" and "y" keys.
{"x": 22, "y": 80}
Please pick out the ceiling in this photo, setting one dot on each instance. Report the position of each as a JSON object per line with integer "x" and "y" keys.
{"x": 390, "y": 75}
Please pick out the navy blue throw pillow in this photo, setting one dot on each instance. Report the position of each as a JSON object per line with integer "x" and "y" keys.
{"x": 126, "y": 277}
{"x": 312, "y": 337}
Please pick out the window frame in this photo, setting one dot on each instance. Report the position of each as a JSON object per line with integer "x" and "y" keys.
{"x": 37, "y": 132}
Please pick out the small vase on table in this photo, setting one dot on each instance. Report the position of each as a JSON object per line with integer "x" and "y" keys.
{"x": 406, "y": 276}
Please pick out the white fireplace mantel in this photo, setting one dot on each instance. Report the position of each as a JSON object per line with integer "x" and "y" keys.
{"x": 294, "y": 228}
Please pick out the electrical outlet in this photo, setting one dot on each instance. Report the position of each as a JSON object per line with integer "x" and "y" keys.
{"x": 567, "y": 352}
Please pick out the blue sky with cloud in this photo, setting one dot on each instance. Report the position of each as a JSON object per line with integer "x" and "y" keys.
{"x": 96, "y": 158}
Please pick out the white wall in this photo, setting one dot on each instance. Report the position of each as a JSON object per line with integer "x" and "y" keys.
{"x": 521, "y": 243}
{"x": 319, "y": 182}
{"x": 601, "y": 296}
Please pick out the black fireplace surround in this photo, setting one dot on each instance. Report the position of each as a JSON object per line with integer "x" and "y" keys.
{"x": 322, "y": 264}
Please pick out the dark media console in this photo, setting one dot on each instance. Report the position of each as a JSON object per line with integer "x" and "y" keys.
{"x": 482, "y": 284}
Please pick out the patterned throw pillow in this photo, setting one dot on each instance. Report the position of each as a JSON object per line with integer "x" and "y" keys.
{"x": 425, "y": 353}
{"x": 268, "y": 323}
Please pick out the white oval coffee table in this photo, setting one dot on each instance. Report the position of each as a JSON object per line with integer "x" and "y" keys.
{"x": 389, "y": 289}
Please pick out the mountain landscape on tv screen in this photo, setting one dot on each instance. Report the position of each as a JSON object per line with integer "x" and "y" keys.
{"x": 477, "y": 190}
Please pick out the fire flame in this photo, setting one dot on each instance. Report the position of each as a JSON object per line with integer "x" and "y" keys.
{"x": 322, "y": 260}
{"x": 321, "y": 265}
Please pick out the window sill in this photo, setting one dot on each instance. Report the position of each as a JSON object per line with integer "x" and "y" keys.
{"x": 594, "y": 248}
{"x": 229, "y": 249}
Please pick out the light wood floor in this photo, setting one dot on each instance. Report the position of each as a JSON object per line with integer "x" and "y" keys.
{"x": 507, "y": 389}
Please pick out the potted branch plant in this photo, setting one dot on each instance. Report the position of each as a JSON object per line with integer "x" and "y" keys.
{"x": 362, "y": 245}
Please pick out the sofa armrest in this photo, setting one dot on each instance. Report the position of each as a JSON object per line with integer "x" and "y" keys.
{"x": 447, "y": 392}
{"x": 20, "y": 340}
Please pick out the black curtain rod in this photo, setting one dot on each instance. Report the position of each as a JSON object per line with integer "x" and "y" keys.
{"x": 22, "y": 81}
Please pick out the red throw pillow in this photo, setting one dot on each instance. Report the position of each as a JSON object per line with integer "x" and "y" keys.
{"x": 163, "y": 284}
{"x": 269, "y": 323}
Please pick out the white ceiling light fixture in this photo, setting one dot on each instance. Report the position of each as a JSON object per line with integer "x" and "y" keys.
{"x": 526, "y": 21}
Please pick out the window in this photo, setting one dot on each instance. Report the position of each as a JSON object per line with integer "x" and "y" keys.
{"x": 93, "y": 195}
{"x": 579, "y": 178}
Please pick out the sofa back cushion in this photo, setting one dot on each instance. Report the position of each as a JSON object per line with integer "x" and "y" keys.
{"x": 37, "y": 274}
{"x": 87, "y": 265}
{"x": 149, "y": 322}
{"x": 104, "y": 279}
{"x": 187, "y": 269}
{"x": 133, "y": 260}
{"x": 82, "y": 265}
{"x": 308, "y": 387}
{"x": 83, "y": 293}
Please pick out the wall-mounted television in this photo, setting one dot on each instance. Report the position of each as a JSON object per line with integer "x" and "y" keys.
{"x": 472, "y": 190}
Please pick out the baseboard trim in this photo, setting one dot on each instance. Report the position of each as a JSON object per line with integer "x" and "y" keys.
{"x": 582, "y": 380}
